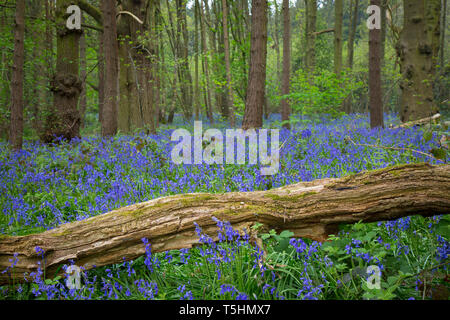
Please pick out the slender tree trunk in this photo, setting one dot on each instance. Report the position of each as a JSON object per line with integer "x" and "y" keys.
{"x": 83, "y": 75}
{"x": 196, "y": 68}
{"x": 101, "y": 77}
{"x": 230, "y": 100}
{"x": 285, "y": 108}
{"x": 16, "y": 127}
{"x": 354, "y": 4}
{"x": 311, "y": 16}
{"x": 253, "y": 115}
{"x": 157, "y": 63}
{"x": 443, "y": 27}
{"x": 109, "y": 123}
{"x": 208, "y": 103}
{"x": 183, "y": 55}
{"x": 338, "y": 17}
{"x": 384, "y": 6}
{"x": 375, "y": 93}
{"x": 352, "y": 32}
{"x": 418, "y": 49}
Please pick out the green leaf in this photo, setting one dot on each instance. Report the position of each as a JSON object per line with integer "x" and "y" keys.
{"x": 286, "y": 234}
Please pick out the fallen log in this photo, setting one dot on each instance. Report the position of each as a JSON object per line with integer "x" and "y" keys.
{"x": 308, "y": 209}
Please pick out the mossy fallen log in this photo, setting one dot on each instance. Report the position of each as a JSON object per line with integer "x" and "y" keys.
{"x": 308, "y": 209}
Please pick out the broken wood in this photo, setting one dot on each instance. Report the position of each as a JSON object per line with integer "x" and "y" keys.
{"x": 419, "y": 122}
{"x": 308, "y": 209}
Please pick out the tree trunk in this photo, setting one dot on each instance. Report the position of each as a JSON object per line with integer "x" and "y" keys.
{"x": 285, "y": 108}
{"x": 109, "y": 123}
{"x": 83, "y": 75}
{"x": 16, "y": 127}
{"x": 443, "y": 29}
{"x": 352, "y": 32}
{"x": 375, "y": 92}
{"x": 311, "y": 17}
{"x": 183, "y": 56}
{"x": 418, "y": 49}
{"x": 101, "y": 77}
{"x": 64, "y": 120}
{"x": 226, "y": 42}
{"x": 338, "y": 17}
{"x": 208, "y": 103}
{"x": 136, "y": 73}
{"x": 253, "y": 114}
{"x": 196, "y": 68}
{"x": 308, "y": 209}
{"x": 354, "y": 4}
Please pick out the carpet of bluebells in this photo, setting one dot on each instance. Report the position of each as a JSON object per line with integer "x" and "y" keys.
{"x": 44, "y": 186}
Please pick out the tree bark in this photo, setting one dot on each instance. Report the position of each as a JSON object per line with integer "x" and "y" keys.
{"x": 354, "y": 5}
{"x": 183, "y": 56}
{"x": 253, "y": 115}
{"x": 83, "y": 76}
{"x": 338, "y": 17}
{"x": 308, "y": 209}
{"x": 16, "y": 126}
{"x": 64, "y": 120}
{"x": 352, "y": 32}
{"x": 109, "y": 117}
{"x": 285, "y": 108}
{"x": 311, "y": 17}
{"x": 375, "y": 92}
{"x": 226, "y": 43}
{"x": 418, "y": 49}
{"x": 205, "y": 66}
{"x": 443, "y": 29}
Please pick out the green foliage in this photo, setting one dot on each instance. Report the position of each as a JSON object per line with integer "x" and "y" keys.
{"x": 322, "y": 94}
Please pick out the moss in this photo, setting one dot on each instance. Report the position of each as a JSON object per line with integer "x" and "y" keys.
{"x": 276, "y": 197}
{"x": 61, "y": 234}
{"x": 195, "y": 199}
{"x": 3, "y": 236}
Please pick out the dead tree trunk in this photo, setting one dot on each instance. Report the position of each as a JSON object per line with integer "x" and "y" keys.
{"x": 308, "y": 209}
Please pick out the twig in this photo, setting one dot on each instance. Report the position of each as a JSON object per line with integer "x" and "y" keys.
{"x": 391, "y": 148}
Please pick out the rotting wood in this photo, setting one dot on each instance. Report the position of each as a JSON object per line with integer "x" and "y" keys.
{"x": 308, "y": 209}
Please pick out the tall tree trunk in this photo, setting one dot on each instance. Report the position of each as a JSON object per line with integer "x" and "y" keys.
{"x": 443, "y": 27}
{"x": 285, "y": 108}
{"x": 196, "y": 68}
{"x": 183, "y": 55}
{"x": 311, "y": 17}
{"x": 208, "y": 103}
{"x": 109, "y": 123}
{"x": 338, "y": 17}
{"x": 352, "y": 32}
{"x": 16, "y": 127}
{"x": 253, "y": 115}
{"x": 375, "y": 94}
{"x": 418, "y": 49}
{"x": 83, "y": 76}
{"x": 384, "y": 7}
{"x": 230, "y": 100}
{"x": 101, "y": 76}
{"x": 64, "y": 120}
{"x": 354, "y": 4}
{"x": 136, "y": 75}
